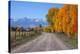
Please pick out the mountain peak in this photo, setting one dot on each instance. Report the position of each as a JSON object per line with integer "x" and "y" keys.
{"x": 26, "y": 22}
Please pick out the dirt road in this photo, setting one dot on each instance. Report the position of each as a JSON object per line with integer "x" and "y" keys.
{"x": 45, "y": 42}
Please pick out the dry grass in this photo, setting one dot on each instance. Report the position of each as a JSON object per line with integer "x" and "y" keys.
{"x": 22, "y": 37}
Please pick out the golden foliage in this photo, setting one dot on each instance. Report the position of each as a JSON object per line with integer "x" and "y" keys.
{"x": 64, "y": 19}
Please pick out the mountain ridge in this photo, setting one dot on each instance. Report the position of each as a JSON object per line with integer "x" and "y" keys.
{"x": 26, "y": 22}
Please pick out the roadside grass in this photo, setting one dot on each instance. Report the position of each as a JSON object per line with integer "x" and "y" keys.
{"x": 74, "y": 42}
{"x": 22, "y": 38}
{"x": 70, "y": 42}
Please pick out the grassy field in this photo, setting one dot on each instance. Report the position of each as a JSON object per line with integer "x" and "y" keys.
{"x": 22, "y": 37}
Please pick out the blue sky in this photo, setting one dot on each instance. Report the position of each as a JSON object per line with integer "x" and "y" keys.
{"x": 21, "y": 9}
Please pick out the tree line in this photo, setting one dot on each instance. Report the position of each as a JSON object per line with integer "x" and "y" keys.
{"x": 63, "y": 19}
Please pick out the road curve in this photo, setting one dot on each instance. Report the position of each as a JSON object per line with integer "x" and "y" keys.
{"x": 45, "y": 42}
